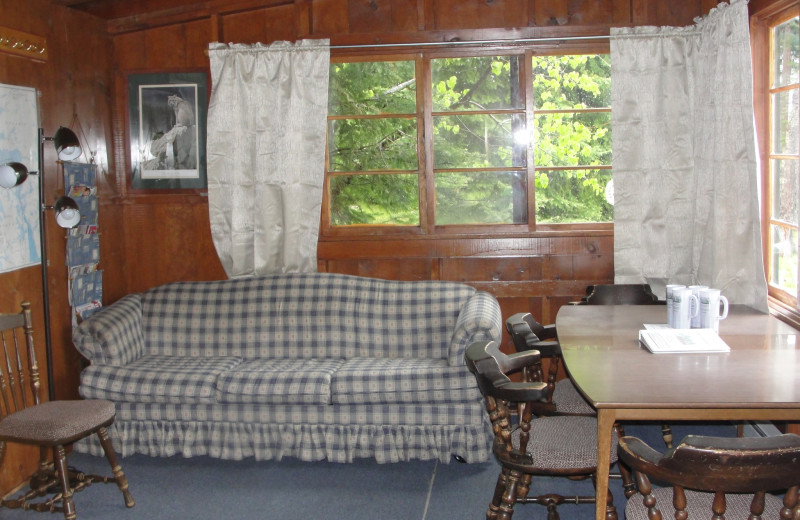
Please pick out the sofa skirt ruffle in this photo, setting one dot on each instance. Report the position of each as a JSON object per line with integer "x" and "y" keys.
{"x": 307, "y": 442}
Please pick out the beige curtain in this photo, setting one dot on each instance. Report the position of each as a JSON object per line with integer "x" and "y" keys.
{"x": 266, "y": 154}
{"x": 684, "y": 157}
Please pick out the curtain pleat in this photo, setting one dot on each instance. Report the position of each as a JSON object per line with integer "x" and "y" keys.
{"x": 266, "y": 154}
{"x": 684, "y": 157}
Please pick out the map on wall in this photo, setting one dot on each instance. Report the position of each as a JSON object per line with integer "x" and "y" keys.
{"x": 19, "y": 206}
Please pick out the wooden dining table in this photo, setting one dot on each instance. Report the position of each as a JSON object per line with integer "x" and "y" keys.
{"x": 759, "y": 379}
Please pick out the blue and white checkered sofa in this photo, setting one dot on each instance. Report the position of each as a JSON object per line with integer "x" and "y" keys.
{"x": 313, "y": 366}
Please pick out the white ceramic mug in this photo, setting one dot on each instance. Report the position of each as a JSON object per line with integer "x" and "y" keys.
{"x": 696, "y": 315}
{"x": 684, "y": 306}
{"x": 670, "y": 310}
{"x": 710, "y": 313}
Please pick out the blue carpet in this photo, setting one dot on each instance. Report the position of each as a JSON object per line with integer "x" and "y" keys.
{"x": 202, "y": 488}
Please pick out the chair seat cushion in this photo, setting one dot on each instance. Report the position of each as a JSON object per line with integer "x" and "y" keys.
{"x": 158, "y": 379}
{"x": 56, "y": 422}
{"x": 562, "y": 443}
{"x": 569, "y": 401}
{"x": 278, "y": 381}
{"x": 698, "y": 505}
{"x": 402, "y": 380}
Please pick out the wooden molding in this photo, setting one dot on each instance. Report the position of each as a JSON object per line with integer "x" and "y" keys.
{"x": 23, "y": 44}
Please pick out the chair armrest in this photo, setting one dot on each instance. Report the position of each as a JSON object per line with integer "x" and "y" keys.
{"x": 524, "y": 338}
{"x": 112, "y": 336}
{"x": 490, "y": 367}
{"x": 549, "y": 332}
{"x": 479, "y": 320}
{"x": 517, "y": 361}
{"x": 548, "y": 349}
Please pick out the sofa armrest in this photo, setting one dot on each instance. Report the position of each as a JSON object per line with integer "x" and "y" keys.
{"x": 479, "y": 320}
{"x": 114, "y": 335}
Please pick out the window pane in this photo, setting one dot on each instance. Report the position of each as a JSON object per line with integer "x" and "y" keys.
{"x": 785, "y": 190}
{"x": 564, "y": 196}
{"x": 477, "y": 83}
{"x": 785, "y": 109}
{"x": 786, "y": 50}
{"x": 373, "y": 87}
{"x": 372, "y": 144}
{"x": 480, "y": 198}
{"x": 570, "y": 139}
{"x": 374, "y": 199}
{"x": 577, "y": 81}
{"x": 479, "y": 141}
{"x": 784, "y": 258}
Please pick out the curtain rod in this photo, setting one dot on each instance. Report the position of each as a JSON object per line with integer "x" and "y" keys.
{"x": 470, "y": 42}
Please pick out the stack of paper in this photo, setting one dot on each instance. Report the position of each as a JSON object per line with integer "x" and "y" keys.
{"x": 664, "y": 341}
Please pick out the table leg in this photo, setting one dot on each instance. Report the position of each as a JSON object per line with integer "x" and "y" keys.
{"x": 605, "y": 424}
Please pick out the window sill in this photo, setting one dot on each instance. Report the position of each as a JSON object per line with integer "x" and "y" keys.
{"x": 784, "y": 312}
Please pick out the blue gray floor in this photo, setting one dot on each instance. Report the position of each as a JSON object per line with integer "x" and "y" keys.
{"x": 204, "y": 488}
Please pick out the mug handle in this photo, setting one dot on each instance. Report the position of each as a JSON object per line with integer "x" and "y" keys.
{"x": 724, "y": 302}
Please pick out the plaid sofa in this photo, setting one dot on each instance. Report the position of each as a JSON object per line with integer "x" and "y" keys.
{"x": 313, "y": 366}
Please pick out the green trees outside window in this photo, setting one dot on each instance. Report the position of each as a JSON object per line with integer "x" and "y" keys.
{"x": 784, "y": 164}
{"x": 465, "y": 137}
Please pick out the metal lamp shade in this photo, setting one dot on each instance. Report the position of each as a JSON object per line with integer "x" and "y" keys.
{"x": 67, "y": 145}
{"x": 67, "y": 213}
{"x": 12, "y": 174}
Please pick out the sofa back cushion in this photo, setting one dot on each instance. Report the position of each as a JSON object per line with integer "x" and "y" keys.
{"x": 305, "y": 315}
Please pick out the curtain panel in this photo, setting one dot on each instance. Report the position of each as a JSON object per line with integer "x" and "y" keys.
{"x": 266, "y": 154}
{"x": 686, "y": 187}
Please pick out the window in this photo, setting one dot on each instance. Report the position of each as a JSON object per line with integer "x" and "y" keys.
{"x": 783, "y": 159}
{"x": 373, "y": 163}
{"x": 572, "y": 136}
{"x": 426, "y": 142}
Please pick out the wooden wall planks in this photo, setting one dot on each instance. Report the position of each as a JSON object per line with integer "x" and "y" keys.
{"x": 75, "y": 80}
{"x": 539, "y": 272}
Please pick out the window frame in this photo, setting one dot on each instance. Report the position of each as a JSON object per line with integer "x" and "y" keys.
{"x": 426, "y": 170}
{"x": 763, "y": 19}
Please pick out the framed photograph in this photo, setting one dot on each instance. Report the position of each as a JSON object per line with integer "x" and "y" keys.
{"x": 167, "y": 118}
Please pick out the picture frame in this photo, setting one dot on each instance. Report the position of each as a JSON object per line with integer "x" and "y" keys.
{"x": 167, "y": 130}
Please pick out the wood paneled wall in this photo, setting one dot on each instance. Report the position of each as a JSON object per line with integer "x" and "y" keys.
{"x": 150, "y": 238}
{"x": 74, "y": 80}
{"x": 537, "y": 272}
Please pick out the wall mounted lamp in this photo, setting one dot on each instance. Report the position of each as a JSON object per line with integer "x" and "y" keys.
{"x": 67, "y": 145}
{"x": 66, "y": 211}
{"x": 12, "y": 174}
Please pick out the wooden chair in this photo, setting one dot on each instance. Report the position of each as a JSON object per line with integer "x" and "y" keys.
{"x": 626, "y": 294}
{"x": 527, "y": 446}
{"x": 620, "y": 294}
{"x": 528, "y": 334}
{"x": 50, "y": 425}
{"x": 562, "y": 396}
{"x": 715, "y": 477}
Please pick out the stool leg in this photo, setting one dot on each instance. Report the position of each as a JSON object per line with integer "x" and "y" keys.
{"x": 116, "y": 469}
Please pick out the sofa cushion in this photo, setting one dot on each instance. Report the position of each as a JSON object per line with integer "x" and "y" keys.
{"x": 278, "y": 381}
{"x": 303, "y": 315}
{"x": 157, "y": 379}
{"x": 400, "y": 380}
